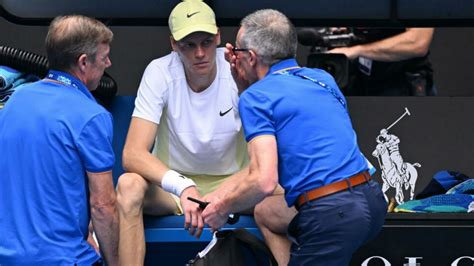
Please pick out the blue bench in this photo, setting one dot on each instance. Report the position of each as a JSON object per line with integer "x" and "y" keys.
{"x": 167, "y": 228}
{"x": 170, "y": 229}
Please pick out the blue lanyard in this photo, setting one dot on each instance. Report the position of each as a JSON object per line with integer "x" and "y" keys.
{"x": 69, "y": 80}
{"x": 320, "y": 83}
{"x": 63, "y": 78}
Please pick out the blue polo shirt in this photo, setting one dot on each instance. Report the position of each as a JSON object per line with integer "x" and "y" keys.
{"x": 316, "y": 142}
{"x": 51, "y": 133}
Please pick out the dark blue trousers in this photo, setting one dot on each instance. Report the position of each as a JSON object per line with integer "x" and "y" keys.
{"x": 327, "y": 231}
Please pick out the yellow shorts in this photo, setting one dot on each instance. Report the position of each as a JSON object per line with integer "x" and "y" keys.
{"x": 205, "y": 184}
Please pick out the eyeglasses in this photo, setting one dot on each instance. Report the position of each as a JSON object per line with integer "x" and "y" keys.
{"x": 240, "y": 50}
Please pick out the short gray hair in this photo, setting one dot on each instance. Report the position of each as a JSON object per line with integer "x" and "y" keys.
{"x": 270, "y": 34}
{"x": 71, "y": 36}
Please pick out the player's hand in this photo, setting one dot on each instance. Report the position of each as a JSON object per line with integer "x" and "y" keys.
{"x": 193, "y": 221}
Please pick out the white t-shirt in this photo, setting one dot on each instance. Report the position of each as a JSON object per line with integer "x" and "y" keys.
{"x": 198, "y": 133}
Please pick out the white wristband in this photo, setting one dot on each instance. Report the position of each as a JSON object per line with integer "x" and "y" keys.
{"x": 174, "y": 182}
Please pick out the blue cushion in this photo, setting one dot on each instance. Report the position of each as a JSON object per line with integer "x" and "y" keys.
{"x": 121, "y": 109}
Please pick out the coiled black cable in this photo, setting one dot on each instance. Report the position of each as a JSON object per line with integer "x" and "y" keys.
{"x": 24, "y": 61}
{"x": 32, "y": 63}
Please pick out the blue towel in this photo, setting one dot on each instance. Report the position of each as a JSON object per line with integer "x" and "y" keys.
{"x": 8, "y": 76}
{"x": 6, "y": 92}
{"x": 23, "y": 80}
{"x": 4, "y": 99}
{"x": 466, "y": 187}
{"x": 12, "y": 80}
{"x": 438, "y": 203}
{"x": 442, "y": 181}
{"x": 457, "y": 199}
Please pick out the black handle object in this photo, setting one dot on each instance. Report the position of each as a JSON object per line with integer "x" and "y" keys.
{"x": 202, "y": 204}
{"x": 232, "y": 219}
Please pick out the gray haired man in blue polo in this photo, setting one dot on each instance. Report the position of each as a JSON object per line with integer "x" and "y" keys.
{"x": 300, "y": 135}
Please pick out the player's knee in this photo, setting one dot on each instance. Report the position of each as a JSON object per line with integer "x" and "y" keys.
{"x": 131, "y": 190}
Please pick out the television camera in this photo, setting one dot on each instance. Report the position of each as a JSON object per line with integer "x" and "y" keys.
{"x": 322, "y": 39}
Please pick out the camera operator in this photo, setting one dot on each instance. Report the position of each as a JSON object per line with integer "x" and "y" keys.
{"x": 390, "y": 62}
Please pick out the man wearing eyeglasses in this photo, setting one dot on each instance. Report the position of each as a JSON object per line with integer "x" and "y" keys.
{"x": 186, "y": 111}
{"x": 300, "y": 136}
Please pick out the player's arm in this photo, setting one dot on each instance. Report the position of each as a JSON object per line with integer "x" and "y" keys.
{"x": 137, "y": 157}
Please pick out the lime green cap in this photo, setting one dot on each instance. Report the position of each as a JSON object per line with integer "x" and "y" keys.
{"x": 191, "y": 16}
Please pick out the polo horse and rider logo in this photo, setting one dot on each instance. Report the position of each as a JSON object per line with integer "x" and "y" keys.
{"x": 396, "y": 173}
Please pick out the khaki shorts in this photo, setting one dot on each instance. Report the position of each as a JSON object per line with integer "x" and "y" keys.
{"x": 205, "y": 184}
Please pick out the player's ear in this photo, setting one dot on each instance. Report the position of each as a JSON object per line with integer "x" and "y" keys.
{"x": 218, "y": 37}
{"x": 174, "y": 43}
